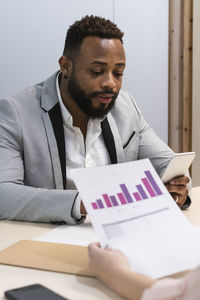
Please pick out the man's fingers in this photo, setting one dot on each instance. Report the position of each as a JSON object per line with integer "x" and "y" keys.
{"x": 180, "y": 200}
{"x": 182, "y": 180}
{"x": 178, "y": 189}
{"x": 178, "y": 192}
{"x": 174, "y": 196}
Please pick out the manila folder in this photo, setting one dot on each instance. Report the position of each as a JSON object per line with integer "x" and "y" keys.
{"x": 47, "y": 256}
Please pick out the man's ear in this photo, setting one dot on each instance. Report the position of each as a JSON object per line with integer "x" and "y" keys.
{"x": 65, "y": 66}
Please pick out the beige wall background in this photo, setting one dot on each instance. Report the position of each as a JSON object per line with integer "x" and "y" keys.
{"x": 184, "y": 75}
{"x": 196, "y": 93}
{"x": 180, "y": 74}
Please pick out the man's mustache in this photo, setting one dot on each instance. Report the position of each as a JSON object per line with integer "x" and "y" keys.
{"x": 105, "y": 92}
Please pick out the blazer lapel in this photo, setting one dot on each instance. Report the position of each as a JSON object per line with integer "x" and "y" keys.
{"x": 55, "y": 135}
{"x": 55, "y": 132}
{"x": 56, "y": 120}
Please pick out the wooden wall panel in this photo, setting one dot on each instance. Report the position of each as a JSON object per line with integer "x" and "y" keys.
{"x": 175, "y": 74}
{"x": 180, "y": 74}
{"x": 187, "y": 75}
{"x": 196, "y": 93}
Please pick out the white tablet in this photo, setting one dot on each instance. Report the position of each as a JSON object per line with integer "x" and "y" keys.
{"x": 178, "y": 166}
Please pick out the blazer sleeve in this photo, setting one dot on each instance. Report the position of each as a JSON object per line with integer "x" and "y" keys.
{"x": 18, "y": 201}
{"x": 153, "y": 147}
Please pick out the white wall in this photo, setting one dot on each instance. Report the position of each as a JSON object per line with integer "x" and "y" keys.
{"x": 145, "y": 24}
{"x": 32, "y": 34}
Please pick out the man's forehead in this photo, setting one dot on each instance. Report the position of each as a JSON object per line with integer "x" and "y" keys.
{"x": 97, "y": 48}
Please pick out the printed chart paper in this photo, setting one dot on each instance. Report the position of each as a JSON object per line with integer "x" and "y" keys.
{"x": 131, "y": 210}
{"x": 81, "y": 235}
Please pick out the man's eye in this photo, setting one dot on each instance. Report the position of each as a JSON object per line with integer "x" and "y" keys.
{"x": 96, "y": 73}
{"x": 119, "y": 74}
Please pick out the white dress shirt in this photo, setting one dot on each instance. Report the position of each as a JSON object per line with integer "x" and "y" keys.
{"x": 79, "y": 153}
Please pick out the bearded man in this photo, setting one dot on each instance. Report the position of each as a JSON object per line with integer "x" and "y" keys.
{"x": 77, "y": 118}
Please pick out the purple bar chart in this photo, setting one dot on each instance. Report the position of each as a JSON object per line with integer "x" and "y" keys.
{"x": 147, "y": 189}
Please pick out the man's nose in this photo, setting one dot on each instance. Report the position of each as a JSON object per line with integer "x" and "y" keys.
{"x": 109, "y": 82}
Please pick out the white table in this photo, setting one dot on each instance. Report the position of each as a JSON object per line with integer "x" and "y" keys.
{"x": 193, "y": 213}
{"x": 69, "y": 286}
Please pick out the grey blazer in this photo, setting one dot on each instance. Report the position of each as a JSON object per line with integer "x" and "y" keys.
{"x": 32, "y": 151}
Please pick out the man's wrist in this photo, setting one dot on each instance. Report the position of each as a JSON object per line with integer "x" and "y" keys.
{"x": 83, "y": 210}
{"x": 76, "y": 208}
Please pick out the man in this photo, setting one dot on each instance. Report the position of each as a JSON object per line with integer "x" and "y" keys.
{"x": 76, "y": 118}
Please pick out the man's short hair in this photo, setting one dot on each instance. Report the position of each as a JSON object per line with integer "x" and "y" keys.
{"x": 89, "y": 26}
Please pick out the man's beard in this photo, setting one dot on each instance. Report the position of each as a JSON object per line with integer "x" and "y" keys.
{"x": 84, "y": 101}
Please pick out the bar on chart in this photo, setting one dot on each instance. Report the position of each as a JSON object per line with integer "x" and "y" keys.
{"x": 141, "y": 191}
{"x": 153, "y": 183}
{"x": 100, "y": 203}
{"x": 94, "y": 205}
{"x": 107, "y": 200}
{"x": 126, "y": 193}
{"x": 147, "y": 189}
{"x": 114, "y": 200}
{"x": 137, "y": 196}
{"x": 122, "y": 198}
